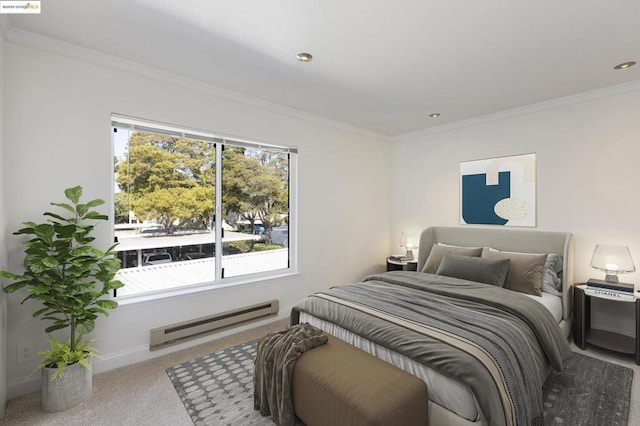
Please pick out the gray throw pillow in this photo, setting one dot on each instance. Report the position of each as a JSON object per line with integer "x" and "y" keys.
{"x": 478, "y": 269}
{"x": 551, "y": 276}
{"x": 551, "y": 282}
{"x": 525, "y": 270}
{"x": 438, "y": 251}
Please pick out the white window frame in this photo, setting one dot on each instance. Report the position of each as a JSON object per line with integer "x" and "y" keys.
{"x": 150, "y": 126}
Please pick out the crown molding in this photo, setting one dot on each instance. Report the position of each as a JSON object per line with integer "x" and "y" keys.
{"x": 30, "y": 39}
{"x": 529, "y": 109}
{"x": 33, "y": 40}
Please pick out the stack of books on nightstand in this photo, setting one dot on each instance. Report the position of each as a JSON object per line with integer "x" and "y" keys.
{"x": 400, "y": 258}
{"x": 608, "y": 290}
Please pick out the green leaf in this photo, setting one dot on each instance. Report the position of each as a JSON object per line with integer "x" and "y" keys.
{"x": 85, "y": 363}
{"x": 46, "y": 232}
{"x": 65, "y": 206}
{"x": 107, "y": 304}
{"x": 73, "y": 194}
{"x": 51, "y": 262}
{"x": 55, "y": 327}
{"x": 84, "y": 250}
{"x": 10, "y": 275}
{"x": 39, "y": 312}
{"x": 15, "y": 286}
{"x": 96, "y": 216}
{"x": 111, "y": 251}
{"x": 82, "y": 210}
{"x": 86, "y": 327}
{"x": 66, "y": 232}
{"x": 116, "y": 284}
{"x": 94, "y": 203}
{"x": 37, "y": 268}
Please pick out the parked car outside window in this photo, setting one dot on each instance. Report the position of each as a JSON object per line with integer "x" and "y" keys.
{"x": 256, "y": 230}
{"x": 156, "y": 258}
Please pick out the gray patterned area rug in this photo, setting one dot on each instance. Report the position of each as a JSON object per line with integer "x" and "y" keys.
{"x": 217, "y": 389}
{"x": 588, "y": 392}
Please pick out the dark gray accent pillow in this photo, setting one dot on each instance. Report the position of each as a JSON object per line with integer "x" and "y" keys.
{"x": 437, "y": 251}
{"x": 478, "y": 269}
{"x": 525, "y": 270}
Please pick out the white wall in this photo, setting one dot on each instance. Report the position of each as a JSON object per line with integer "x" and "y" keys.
{"x": 3, "y": 233}
{"x": 58, "y": 135}
{"x": 588, "y": 176}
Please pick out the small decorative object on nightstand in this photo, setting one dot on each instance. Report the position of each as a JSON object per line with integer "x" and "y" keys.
{"x": 583, "y": 333}
{"x": 401, "y": 263}
{"x": 409, "y": 243}
{"x": 612, "y": 260}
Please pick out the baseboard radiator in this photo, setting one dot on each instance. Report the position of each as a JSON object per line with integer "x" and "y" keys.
{"x": 193, "y": 329}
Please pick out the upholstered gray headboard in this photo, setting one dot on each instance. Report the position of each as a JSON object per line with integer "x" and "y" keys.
{"x": 508, "y": 239}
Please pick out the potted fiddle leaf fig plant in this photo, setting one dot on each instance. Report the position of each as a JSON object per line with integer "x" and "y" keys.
{"x": 72, "y": 279}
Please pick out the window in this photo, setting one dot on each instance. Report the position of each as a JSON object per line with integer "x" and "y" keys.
{"x": 170, "y": 187}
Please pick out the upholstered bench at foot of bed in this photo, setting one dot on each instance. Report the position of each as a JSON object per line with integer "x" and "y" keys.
{"x": 339, "y": 384}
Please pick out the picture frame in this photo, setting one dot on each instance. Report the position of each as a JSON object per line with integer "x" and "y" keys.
{"x": 499, "y": 191}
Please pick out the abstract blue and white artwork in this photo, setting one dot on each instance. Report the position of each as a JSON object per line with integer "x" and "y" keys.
{"x": 499, "y": 191}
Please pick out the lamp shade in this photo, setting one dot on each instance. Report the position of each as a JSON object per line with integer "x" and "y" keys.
{"x": 612, "y": 260}
{"x": 407, "y": 241}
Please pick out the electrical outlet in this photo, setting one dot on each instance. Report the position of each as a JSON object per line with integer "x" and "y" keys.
{"x": 25, "y": 353}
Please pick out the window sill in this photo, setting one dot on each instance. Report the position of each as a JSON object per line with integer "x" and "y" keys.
{"x": 203, "y": 288}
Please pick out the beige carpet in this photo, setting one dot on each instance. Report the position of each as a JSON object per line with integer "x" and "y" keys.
{"x": 142, "y": 394}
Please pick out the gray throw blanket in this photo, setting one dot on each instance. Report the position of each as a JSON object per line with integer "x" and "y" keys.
{"x": 276, "y": 356}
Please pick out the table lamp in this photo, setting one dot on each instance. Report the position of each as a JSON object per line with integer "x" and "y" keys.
{"x": 612, "y": 260}
{"x": 407, "y": 242}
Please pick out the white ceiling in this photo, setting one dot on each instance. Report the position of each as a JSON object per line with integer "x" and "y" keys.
{"x": 379, "y": 65}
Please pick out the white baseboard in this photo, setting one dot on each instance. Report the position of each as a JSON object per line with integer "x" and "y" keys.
{"x": 23, "y": 387}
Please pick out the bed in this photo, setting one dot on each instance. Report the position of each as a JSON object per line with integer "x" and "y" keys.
{"x": 483, "y": 350}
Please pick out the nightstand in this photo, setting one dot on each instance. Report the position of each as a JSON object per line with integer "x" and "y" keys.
{"x": 583, "y": 333}
{"x": 396, "y": 265}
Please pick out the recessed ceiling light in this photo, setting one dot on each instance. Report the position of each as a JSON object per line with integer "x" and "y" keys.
{"x": 434, "y": 115}
{"x": 304, "y": 57}
{"x": 624, "y": 65}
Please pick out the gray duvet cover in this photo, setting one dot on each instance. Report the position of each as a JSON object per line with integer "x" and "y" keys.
{"x": 495, "y": 341}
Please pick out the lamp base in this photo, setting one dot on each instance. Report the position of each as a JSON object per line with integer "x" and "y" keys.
{"x": 611, "y": 278}
{"x": 409, "y": 254}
